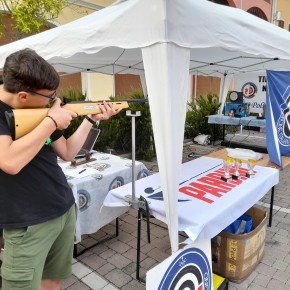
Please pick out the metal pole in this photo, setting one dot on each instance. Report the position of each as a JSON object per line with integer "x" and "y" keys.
{"x": 274, "y": 8}
{"x": 132, "y": 200}
{"x": 133, "y": 158}
{"x": 222, "y": 94}
{"x": 138, "y": 246}
{"x": 133, "y": 115}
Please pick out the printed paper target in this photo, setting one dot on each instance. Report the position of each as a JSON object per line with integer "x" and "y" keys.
{"x": 190, "y": 270}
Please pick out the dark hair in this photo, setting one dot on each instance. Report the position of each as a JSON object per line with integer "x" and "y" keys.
{"x": 26, "y": 70}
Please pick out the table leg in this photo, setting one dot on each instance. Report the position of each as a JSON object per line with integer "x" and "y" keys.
{"x": 271, "y": 206}
{"x": 213, "y": 134}
{"x": 139, "y": 248}
{"x": 106, "y": 238}
{"x": 117, "y": 227}
{"x": 75, "y": 254}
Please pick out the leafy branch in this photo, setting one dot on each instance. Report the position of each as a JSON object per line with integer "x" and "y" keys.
{"x": 29, "y": 16}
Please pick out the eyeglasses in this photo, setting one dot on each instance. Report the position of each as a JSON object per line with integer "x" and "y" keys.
{"x": 51, "y": 97}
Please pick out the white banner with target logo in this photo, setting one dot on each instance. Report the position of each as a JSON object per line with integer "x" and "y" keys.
{"x": 189, "y": 268}
{"x": 253, "y": 86}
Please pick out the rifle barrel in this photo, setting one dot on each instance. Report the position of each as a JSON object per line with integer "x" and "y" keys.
{"x": 136, "y": 101}
{"x": 127, "y": 100}
{"x": 68, "y": 101}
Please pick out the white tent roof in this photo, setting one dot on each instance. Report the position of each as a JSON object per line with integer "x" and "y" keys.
{"x": 221, "y": 38}
{"x": 166, "y": 39}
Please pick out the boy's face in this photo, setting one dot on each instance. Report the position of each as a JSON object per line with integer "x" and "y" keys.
{"x": 38, "y": 99}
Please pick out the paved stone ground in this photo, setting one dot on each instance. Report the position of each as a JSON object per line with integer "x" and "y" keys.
{"x": 111, "y": 264}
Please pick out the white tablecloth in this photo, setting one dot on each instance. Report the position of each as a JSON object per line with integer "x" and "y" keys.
{"x": 91, "y": 187}
{"x": 207, "y": 205}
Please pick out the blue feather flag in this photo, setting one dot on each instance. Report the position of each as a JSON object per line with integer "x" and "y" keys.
{"x": 278, "y": 115}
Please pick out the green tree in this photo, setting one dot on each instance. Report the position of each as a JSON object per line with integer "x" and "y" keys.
{"x": 196, "y": 116}
{"x": 30, "y": 16}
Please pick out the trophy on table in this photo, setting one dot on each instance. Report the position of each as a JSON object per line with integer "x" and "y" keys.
{"x": 237, "y": 165}
{"x": 227, "y": 164}
{"x": 251, "y": 164}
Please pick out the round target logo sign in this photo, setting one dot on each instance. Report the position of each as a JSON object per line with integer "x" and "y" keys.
{"x": 249, "y": 90}
{"x": 190, "y": 270}
{"x": 84, "y": 199}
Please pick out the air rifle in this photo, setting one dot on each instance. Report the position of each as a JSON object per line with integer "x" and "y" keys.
{"x": 22, "y": 121}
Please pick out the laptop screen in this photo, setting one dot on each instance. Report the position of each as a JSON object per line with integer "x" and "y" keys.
{"x": 90, "y": 141}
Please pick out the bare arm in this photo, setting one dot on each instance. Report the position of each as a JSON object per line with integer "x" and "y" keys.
{"x": 68, "y": 148}
{"x": 14, "y": 155}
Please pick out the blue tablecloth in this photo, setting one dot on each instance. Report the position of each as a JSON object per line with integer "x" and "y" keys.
{"x": 244, "y": 121}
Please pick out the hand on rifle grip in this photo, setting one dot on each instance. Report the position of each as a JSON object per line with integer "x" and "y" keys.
{"x": 107, "y": 112}
{"x": 62, "y": 116}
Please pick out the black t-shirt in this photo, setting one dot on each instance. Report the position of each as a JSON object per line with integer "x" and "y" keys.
{"x": 38, "y": 193}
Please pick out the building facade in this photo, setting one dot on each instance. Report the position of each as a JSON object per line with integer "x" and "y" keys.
{"x": 201, "y": 85}
{"x": 95, "y": 85}
{"x": 281, "y": 13}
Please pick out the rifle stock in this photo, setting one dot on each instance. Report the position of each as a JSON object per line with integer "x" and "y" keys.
{"x": 22, "y": 121}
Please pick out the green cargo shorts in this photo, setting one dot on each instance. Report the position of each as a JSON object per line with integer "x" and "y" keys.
{"x": 38, "y": 252}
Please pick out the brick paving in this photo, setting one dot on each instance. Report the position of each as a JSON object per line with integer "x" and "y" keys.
{"x": 111, "y": 264}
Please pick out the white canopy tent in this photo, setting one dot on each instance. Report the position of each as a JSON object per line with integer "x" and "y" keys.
{"x": 166, "y": 40}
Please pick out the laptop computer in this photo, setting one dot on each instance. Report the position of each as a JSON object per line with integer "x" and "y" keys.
{"x": 89, "y": 143}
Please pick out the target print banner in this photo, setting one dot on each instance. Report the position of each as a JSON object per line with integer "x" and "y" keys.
{"x": 278, "y": 115}
{"x": 189, "y": 268}
{"x": 90, "y": 183}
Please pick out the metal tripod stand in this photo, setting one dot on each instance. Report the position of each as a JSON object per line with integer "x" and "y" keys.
{"x": 141, "y": 203}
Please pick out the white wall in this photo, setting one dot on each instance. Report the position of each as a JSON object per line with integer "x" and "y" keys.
{"x": 97, "y": 86}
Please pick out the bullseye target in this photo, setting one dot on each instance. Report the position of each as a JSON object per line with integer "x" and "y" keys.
{"x": 84, "y": 199}
{"x": 188, "y": 278}
{"x": 117, "y": 182}
{"x": 143, "y": 173}
{"x": 249, "y": 90}
{"x": 190, "y": 270}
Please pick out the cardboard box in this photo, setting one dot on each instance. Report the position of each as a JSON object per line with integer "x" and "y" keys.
{"x": 235, "y": 256}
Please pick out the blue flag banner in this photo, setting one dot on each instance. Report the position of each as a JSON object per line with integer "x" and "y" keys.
{"x": 278, "y": 115}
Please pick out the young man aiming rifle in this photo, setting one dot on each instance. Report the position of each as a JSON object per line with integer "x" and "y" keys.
{"x": 37, "y": 207}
